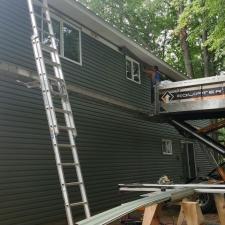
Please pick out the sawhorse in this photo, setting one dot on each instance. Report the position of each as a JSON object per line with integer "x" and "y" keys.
{"x": 190, "y": 212}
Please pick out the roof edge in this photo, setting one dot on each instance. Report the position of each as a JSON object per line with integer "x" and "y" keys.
{"x": 113, "y": 35}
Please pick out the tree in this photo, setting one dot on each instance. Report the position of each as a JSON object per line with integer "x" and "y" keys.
{"x": 149, "y": 22}
{"x": 206, "y": 22}
{"x": 183, "y": 35}
{"x": 190, "y": 39}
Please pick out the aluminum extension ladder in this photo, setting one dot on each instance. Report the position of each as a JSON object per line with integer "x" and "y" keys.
{"x": 51, "y": 87}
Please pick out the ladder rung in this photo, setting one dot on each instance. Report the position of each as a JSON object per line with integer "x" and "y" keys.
{"x": 73, "y": 183}
{"x": 66, "y": 128}
{"x": 66, "y": 145}
{"x": 68, "y": 164}
{"x": 62, "y": 111}
{"x": 54, "y": 78}
{"x": 48, "y": 48}
{"x": 49, "y": 62}
{"x": 78, "y": 203}
{"x": 55, "y": 93}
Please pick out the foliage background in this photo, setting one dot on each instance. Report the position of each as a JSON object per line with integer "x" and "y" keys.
{"x": 156, "y": 25}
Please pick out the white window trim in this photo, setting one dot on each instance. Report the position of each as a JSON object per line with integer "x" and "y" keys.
{"x": 139, "y": 71}
{"x": 90, "y": 33}
{"x": 62, "y": 21}
{"x": 167, "y": 153}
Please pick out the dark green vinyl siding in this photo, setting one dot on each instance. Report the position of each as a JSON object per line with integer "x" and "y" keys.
{"x": 103, "y": 68}
{"x": 203, "y": 164}
{"x": 114, "y": 146}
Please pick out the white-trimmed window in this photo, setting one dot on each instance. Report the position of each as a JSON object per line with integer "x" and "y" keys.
{"x": 167, "y": 147}
{"x": 68, "y": 37}
{"x": 133, "y": 70}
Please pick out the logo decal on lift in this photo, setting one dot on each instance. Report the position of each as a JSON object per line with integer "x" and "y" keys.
{"x": 167, "y": 97}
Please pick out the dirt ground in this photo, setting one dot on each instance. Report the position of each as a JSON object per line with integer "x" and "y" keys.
{"x": 169, "y": 217}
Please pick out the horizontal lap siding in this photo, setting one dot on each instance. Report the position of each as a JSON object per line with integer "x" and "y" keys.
{"x": 114, "y": 147}
{"x": 103, "y": 68}
{"x": 202, "y": 161}
{"x": 204, "y": 166}
{"x": 29, "y": 190}
{"x": 15, "y": 44}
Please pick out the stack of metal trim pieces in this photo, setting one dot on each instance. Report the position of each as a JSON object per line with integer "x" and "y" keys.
{"x": 200, "y": 188}
{"x": 161, "y": 193}
{"x": 122, "y": 210}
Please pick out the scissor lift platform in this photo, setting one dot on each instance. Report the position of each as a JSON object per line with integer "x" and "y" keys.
{"x": 201, "y": 98}
{"x": 196, "y": 99}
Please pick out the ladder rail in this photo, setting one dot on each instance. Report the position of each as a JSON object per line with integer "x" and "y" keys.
{"x": 58, "y": 70}
{"x": 47, "y": 91}
{"x": 42, "y": 70}
{"x": 79, "y": 175}
{"x": 47, "y": 97}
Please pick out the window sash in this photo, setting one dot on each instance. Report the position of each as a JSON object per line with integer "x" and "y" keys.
{"x": 74, "y": 31}
{"x": 135, "y": 76}
{"x": 167, "y": 147}
{"x": 129, "y": 69}
{"x": 61, "y": 38}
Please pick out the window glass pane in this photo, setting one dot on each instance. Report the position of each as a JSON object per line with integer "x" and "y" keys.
{"x": 167, "y": 147}
{"x": 136, "y": 72}
{"x": 129, "y": 69}
{"x": 56, "y": 28}
{"x": 136, "y": 68}
{"x": 71, "y": 43}
{"x": 133, "y": 70}
{"x": 46, "y": 37}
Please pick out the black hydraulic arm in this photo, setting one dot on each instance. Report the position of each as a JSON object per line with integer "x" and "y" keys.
{"x": 192, "y": 131}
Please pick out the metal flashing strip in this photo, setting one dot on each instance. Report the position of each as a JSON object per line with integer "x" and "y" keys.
{"x": 198, "y": 190}
{"x": 18, "y": 71}
{"x": 138, "y": 189}
{"x": 172, "y": 186}
{"x": 117, "y": 212}
{"x": 150, "y": 199}
{"x": 13, "y": 69}
{"x": 212, "y": 191}
{"x": 193, "y": 82}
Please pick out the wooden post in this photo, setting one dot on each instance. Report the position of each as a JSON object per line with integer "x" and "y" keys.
{"x": 191, "y": 212}
{"x": 181, "y": 217}
{"x": 151, "y": 216}
{"x": 220, "y": 205}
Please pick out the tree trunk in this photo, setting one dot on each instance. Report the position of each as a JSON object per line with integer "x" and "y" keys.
{"x": 186, "y": 53}
{"x": 164, "y": 44}
{"x": 185, "y": 46}
{"x": 205, "y": 55}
